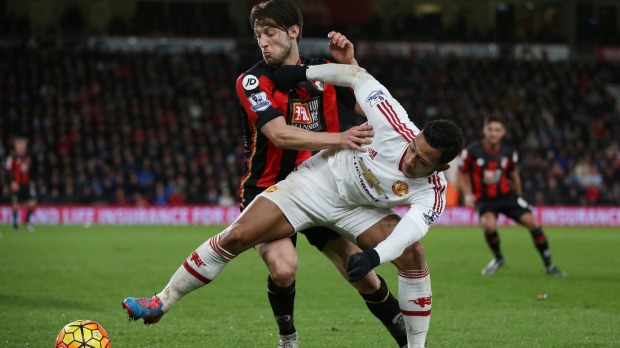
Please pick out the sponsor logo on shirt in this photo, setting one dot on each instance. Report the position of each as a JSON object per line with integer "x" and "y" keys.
{"x": 273, "y": 188}
{"x": 376, "y": 97}
{"x": 259, "y": 101}
{"x": 372, "y": 153}
{"x": 430, "y": 217}
{"x": 400, "y": 188}
{"x": 249, "y": 82}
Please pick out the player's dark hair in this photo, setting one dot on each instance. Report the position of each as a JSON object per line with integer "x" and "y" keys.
{"x": 281, "y": 14}
{"x": 493, "y": 118}
{"x": 445, "y": 136}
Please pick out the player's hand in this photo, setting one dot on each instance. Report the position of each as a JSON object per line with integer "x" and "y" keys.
{"x": 357, "y": 136}
{"x": 470, "y": 200}
{"x": 341, "y": 48}
{"x": 359, "y": 264}
{"x": 288, "y": 76}
{"x": 14, "y": 186}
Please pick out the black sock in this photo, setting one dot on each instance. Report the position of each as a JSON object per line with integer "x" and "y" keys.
{"x": 385, "y": 307}
{"x": 15, "y": 218}
{"x": 492, "y": 239}
{"x": 29, "y": 214}
{"x": 282, "y": 302}
{"x": 540, "y": 241}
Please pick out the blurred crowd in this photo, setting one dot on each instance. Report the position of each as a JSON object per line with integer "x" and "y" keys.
{"x": 161, "y": 129}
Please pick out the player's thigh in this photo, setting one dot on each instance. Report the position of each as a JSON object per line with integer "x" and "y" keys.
{"x": 365, "y": 226}
{"x": 521, "y": 212}
{"x": 338, "y": 250}
{"x": 320, "y": 236}
{"x": 262, "y": 221}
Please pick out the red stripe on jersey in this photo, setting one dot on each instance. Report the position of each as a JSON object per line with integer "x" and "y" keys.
{"x": 416, "y": 313}
{"x": 401, "y": 128}
{"x": 195, "y": 273}
{"x": 441, "y": 191}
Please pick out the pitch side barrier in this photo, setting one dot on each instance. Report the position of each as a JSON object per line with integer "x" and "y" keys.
{"x": 216, "y": 215}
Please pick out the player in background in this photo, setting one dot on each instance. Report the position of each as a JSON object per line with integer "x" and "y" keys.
{"x": 489, "y": 178}
{"x": 353, "y": 192}
{"x": 281, "y": 128}
{"x": 22, "y": 189}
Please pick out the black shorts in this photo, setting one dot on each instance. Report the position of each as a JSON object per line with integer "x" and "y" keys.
{"x": 510, "y": 205}
{"x": 318, "y": 236}
{"x": 25, "y": 193}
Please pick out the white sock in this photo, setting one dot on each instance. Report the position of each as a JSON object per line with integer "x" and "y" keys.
{"x": 415, "y": 297}
{"x": 198, "y": 270}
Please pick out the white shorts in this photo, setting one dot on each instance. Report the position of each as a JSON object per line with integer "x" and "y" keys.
{"x": 309, "y": 197}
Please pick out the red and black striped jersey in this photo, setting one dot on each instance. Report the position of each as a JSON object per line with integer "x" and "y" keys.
{"x": 311, "y": 105}
{"x": 489, "y": 170}
{"x": 18, "y": 168}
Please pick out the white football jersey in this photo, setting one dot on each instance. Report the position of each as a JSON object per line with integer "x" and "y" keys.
{"x": 374, "y": 177}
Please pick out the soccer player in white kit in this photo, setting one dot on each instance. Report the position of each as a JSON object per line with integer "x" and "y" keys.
{"x": 351, "y": 192}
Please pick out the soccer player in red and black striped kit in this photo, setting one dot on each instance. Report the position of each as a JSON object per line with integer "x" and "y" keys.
{"x": 490, "y": 182}
{"x": 18, "y": 167}
{"x": 281, "y": 130}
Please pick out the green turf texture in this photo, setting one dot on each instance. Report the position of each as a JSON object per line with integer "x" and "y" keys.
{"x": 63, "y": 273}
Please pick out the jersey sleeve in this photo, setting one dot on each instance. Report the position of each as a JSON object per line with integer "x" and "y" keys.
{"x": 256, "y": 97}
{"x": 415, "y": 224}
{"x": 383, "y": 111}
{"x": 409, "y": 230}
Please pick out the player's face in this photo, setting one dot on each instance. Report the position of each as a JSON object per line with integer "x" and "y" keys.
{"x": 276, "y": 45}
{"x": 493, "y": 133}
{"x": 20, "y": 147}
{"x": 421, "y": 159}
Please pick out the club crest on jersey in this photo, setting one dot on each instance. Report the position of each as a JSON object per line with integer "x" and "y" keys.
{"x": 376, "y": 97}
{"x": 259, "y": 101}
{"x": 400, "y": 188}
{"x": 273, "y": 188}
{"x": 306, "y": 114}
{"x": 430, "y": 217}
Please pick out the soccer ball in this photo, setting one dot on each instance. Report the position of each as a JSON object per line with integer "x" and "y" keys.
{"x": 83, "y": 333}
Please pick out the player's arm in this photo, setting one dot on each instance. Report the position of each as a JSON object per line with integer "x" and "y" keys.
{"x": 256, "y": 99}
{"x": 290, "y": 137}
{"x": 515, "y": 179}
{"x": 411, "y": 228}
{"x": 343, "y": 52}
{"x": 10, "y": 175}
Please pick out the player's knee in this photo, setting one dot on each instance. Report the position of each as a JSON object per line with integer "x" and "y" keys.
{"x": 282, "y": 271}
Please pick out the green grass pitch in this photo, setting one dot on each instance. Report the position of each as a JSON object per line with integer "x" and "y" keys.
{"x": 63, "y": 273}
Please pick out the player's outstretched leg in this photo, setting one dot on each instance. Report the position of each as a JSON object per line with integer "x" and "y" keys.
{"x": 202, "y": 266}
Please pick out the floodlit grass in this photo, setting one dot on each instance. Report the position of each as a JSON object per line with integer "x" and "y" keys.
{"x": 64, "y": 273}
